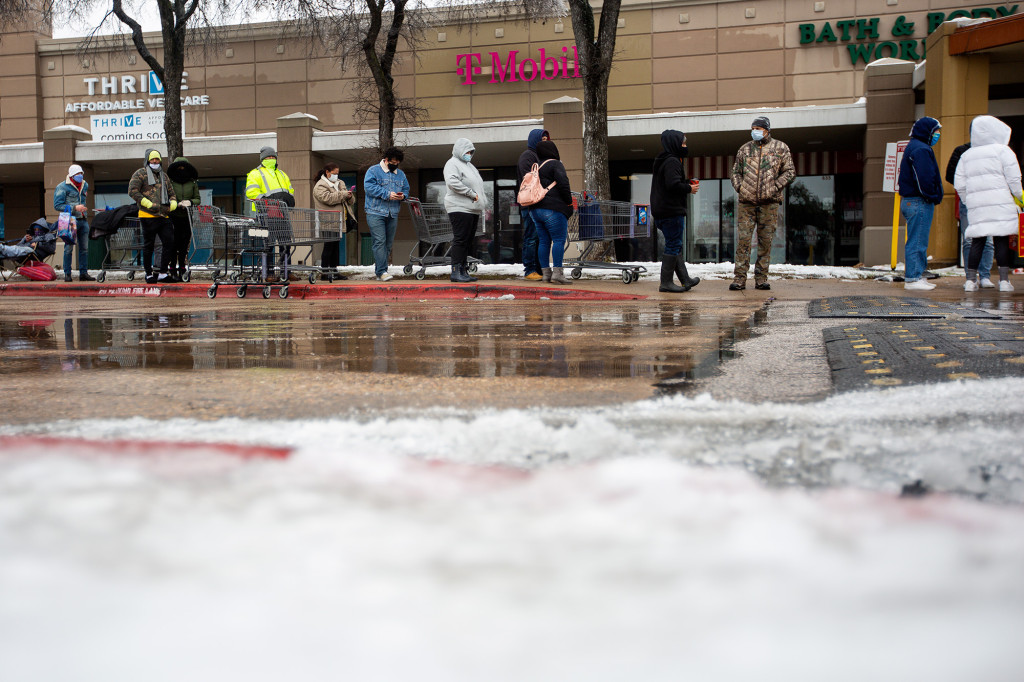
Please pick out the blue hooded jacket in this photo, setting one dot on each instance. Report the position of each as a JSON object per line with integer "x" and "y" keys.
{"x": 919, "y": 171}
{"x": 529, "y": 155}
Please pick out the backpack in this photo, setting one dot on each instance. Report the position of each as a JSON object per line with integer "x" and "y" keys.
{"x": 532, "y": 191}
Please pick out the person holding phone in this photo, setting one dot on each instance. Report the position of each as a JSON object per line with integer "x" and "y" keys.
{"x": 385, "y": 187}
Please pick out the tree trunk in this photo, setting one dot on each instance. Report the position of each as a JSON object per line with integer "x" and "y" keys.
{"x": 174, "y": 64}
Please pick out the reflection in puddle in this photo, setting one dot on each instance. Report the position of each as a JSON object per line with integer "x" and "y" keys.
{"x": 652, "y": 340}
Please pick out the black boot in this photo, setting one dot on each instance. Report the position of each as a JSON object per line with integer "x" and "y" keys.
{"x": 458, "y": 275}
{"x": 465, "y": 273}
{"x": 684, "y": 277}
{"x": 668, "y": 272}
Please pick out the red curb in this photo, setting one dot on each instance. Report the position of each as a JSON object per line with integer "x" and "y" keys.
{"x": 370, "y": 291}
{"x": 82, "y": 446}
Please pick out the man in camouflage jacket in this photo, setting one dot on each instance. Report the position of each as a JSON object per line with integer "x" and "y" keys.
{"x": 763, "y": 168}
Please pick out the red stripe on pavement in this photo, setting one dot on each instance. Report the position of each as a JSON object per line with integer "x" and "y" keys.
{"x": 83, "y": 446}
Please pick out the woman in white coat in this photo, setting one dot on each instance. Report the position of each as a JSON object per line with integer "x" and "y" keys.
{"x": 464, "y": 203}
{"x": 989, "y": 183}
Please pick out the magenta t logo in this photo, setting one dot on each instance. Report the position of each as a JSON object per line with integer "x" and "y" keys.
{"x": 469, "y": 70}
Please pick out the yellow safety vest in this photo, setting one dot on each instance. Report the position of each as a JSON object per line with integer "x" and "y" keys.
{"x": 260, "y": 182}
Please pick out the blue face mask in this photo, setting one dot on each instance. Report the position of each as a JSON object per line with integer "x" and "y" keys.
{"x": 758, "y": 135}
{"x": 467, "y": 157}
{"x": 935, "y": 138}
{"x": 78, "y": 178}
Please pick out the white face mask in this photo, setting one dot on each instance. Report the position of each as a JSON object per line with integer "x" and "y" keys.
{"x": 332, "y": 178}
{"x": 758, "y": 135}
{"x": 155, "y": 165}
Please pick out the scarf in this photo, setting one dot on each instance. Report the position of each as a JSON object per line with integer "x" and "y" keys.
{"x": 151, "y": 179}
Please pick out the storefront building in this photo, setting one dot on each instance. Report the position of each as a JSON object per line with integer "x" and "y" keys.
{"x": 706, "y": 68}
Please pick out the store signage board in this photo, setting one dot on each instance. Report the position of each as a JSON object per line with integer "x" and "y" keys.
{"x": 142, "y": 126}
{"x": 891, "y": 169}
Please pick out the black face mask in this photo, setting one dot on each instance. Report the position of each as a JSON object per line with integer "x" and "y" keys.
{"x": 684, "y": 152}
{"x": 392, "y": 167}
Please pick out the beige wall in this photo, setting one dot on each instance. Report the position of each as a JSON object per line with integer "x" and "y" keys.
{"x": 669, "y": 58}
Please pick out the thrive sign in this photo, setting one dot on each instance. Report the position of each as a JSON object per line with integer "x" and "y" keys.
{"x": 509, "y": 69}
{"x": 904, "y": 45}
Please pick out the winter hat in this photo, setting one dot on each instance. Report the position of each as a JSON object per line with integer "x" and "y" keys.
{"x": 536, "y": 135}
{"x": 762, "y": 122}
{"x": 151, "y": 154}
{"x": 267, "y": 151}
{"x": 547, "y": 150}
{"x": 74, "y": 169}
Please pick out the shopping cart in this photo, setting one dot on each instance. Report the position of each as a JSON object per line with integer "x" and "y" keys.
{"x": 202, "y": 254}
{"x": 124, "y": 250}
{"x": 243, "y": 247}
{"x": 596, "y": 220}
{"x": 434, "y": 229}
{"x": 294, "y": 228}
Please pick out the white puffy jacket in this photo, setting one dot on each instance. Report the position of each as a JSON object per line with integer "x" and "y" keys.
{"x": 987, "y": 179}
{"x": 465, "y": 186}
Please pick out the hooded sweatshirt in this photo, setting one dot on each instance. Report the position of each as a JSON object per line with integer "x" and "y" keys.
{"x": 153, "y": 185}
{"x": 529, "y": 155}
{"x": 42, "y": 238}
{"x": 919, "y": 171}
{"x": 559, "y": 197}
{"x": 669, "y": 186}
{"x": 987, "y": 178}
{"x": 185, "y": 181}
{"x": 463, "y": 181}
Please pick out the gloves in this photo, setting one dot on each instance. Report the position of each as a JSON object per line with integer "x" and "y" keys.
{"x": 146, "y": 203}
{"x": 174, "y": 205}
{"x": 185, "y": 203}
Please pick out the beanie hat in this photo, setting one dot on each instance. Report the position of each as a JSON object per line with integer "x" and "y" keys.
{"x": 762, "y": 122}
{"x": 150, "y": 153}
{"x": 74, "y": 169}
{"x": 267, "y": 151}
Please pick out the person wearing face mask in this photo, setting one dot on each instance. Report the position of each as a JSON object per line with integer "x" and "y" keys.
{"x": 385, "y": 187}
{"x": 670, "y": 191}
{"x": 329, "y": 194}
{"x": 763, "y": 168}
{"x": 70, "y": 196}
{"x": 921, "y": 191}
{"x": 464, "y": 203}
{"x": 531, "y": 266}
{"x": 152, "y": 190}
{"x": 185, "y": 180}
{"x": 267, "y": 181}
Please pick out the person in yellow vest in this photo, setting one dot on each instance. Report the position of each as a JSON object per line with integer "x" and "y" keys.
{"x": 267, "y": 181}
{"x": 151, "y": 189}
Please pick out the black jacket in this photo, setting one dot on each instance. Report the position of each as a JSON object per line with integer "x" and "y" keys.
{"x": 559, "y": 197}
{"x": 670, "y": 190}
{"x": 106, "y": 223}
{"x": 954, "y": 159}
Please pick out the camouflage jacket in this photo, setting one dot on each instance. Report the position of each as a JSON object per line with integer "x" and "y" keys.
{"x": 139, "y": 187}
{"x": 762, "y": 171}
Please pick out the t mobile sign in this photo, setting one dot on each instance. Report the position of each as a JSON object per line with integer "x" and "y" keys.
{"x": 546, "y": 67}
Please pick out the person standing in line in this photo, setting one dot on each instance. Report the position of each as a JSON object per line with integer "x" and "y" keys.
{"x": 268, "y": 181}
{"x": 988, "y": 180}
{"x": 464, "y": 203}
{"x": 670, "y": 192}
{"x": 920, "y": 191}
{"x": 185, "y": 181}
{"x": 760, "y": 174}
{"x": 531, "y": 266}
{"x": 70, "y": 196}
{"x": 329, "y": 194}
{"x": 985, "y": 268}
{"x": 552, "y": 213}
{"x": 151, "y": 189}
{"x": 385, "y": 187}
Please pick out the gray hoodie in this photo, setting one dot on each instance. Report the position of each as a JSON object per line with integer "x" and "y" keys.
{"x": 463, "y": 182}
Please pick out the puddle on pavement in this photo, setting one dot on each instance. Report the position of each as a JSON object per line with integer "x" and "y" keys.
{"x": 661, "y": 341}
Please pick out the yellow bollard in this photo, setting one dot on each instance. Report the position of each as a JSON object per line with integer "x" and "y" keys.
{"x": 895, "y": 228}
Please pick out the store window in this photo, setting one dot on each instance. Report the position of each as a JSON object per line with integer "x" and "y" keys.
{"x": 810, "y": 221}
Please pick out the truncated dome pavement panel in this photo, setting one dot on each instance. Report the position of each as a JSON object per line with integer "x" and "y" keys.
{"x": 894, "y": 353}
{"x": 890, "y": 307}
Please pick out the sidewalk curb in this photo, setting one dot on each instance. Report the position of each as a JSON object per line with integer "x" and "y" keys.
{"x": 370, "y": 291}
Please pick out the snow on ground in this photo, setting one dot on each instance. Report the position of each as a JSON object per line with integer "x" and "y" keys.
{"x": 628, "y": 542}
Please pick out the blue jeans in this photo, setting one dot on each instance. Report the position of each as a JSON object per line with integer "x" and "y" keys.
{"x": 530, "y": 241}
{"x": 552, "y": 230}
{"x": 986, "y": 256}
{"x": 672, "y": 228}
{"x": 83, "y": 249}
{"x": 382, "y": 231}
{"x": 918, "y": 213}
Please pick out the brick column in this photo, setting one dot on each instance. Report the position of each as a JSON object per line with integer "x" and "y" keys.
{"x": 889, "y": 89}
{"x": 563, "y": 119}
{"x": 956, "y": 90}
{"x": 295, "y": 154}
{"x": 58, "y": 154}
